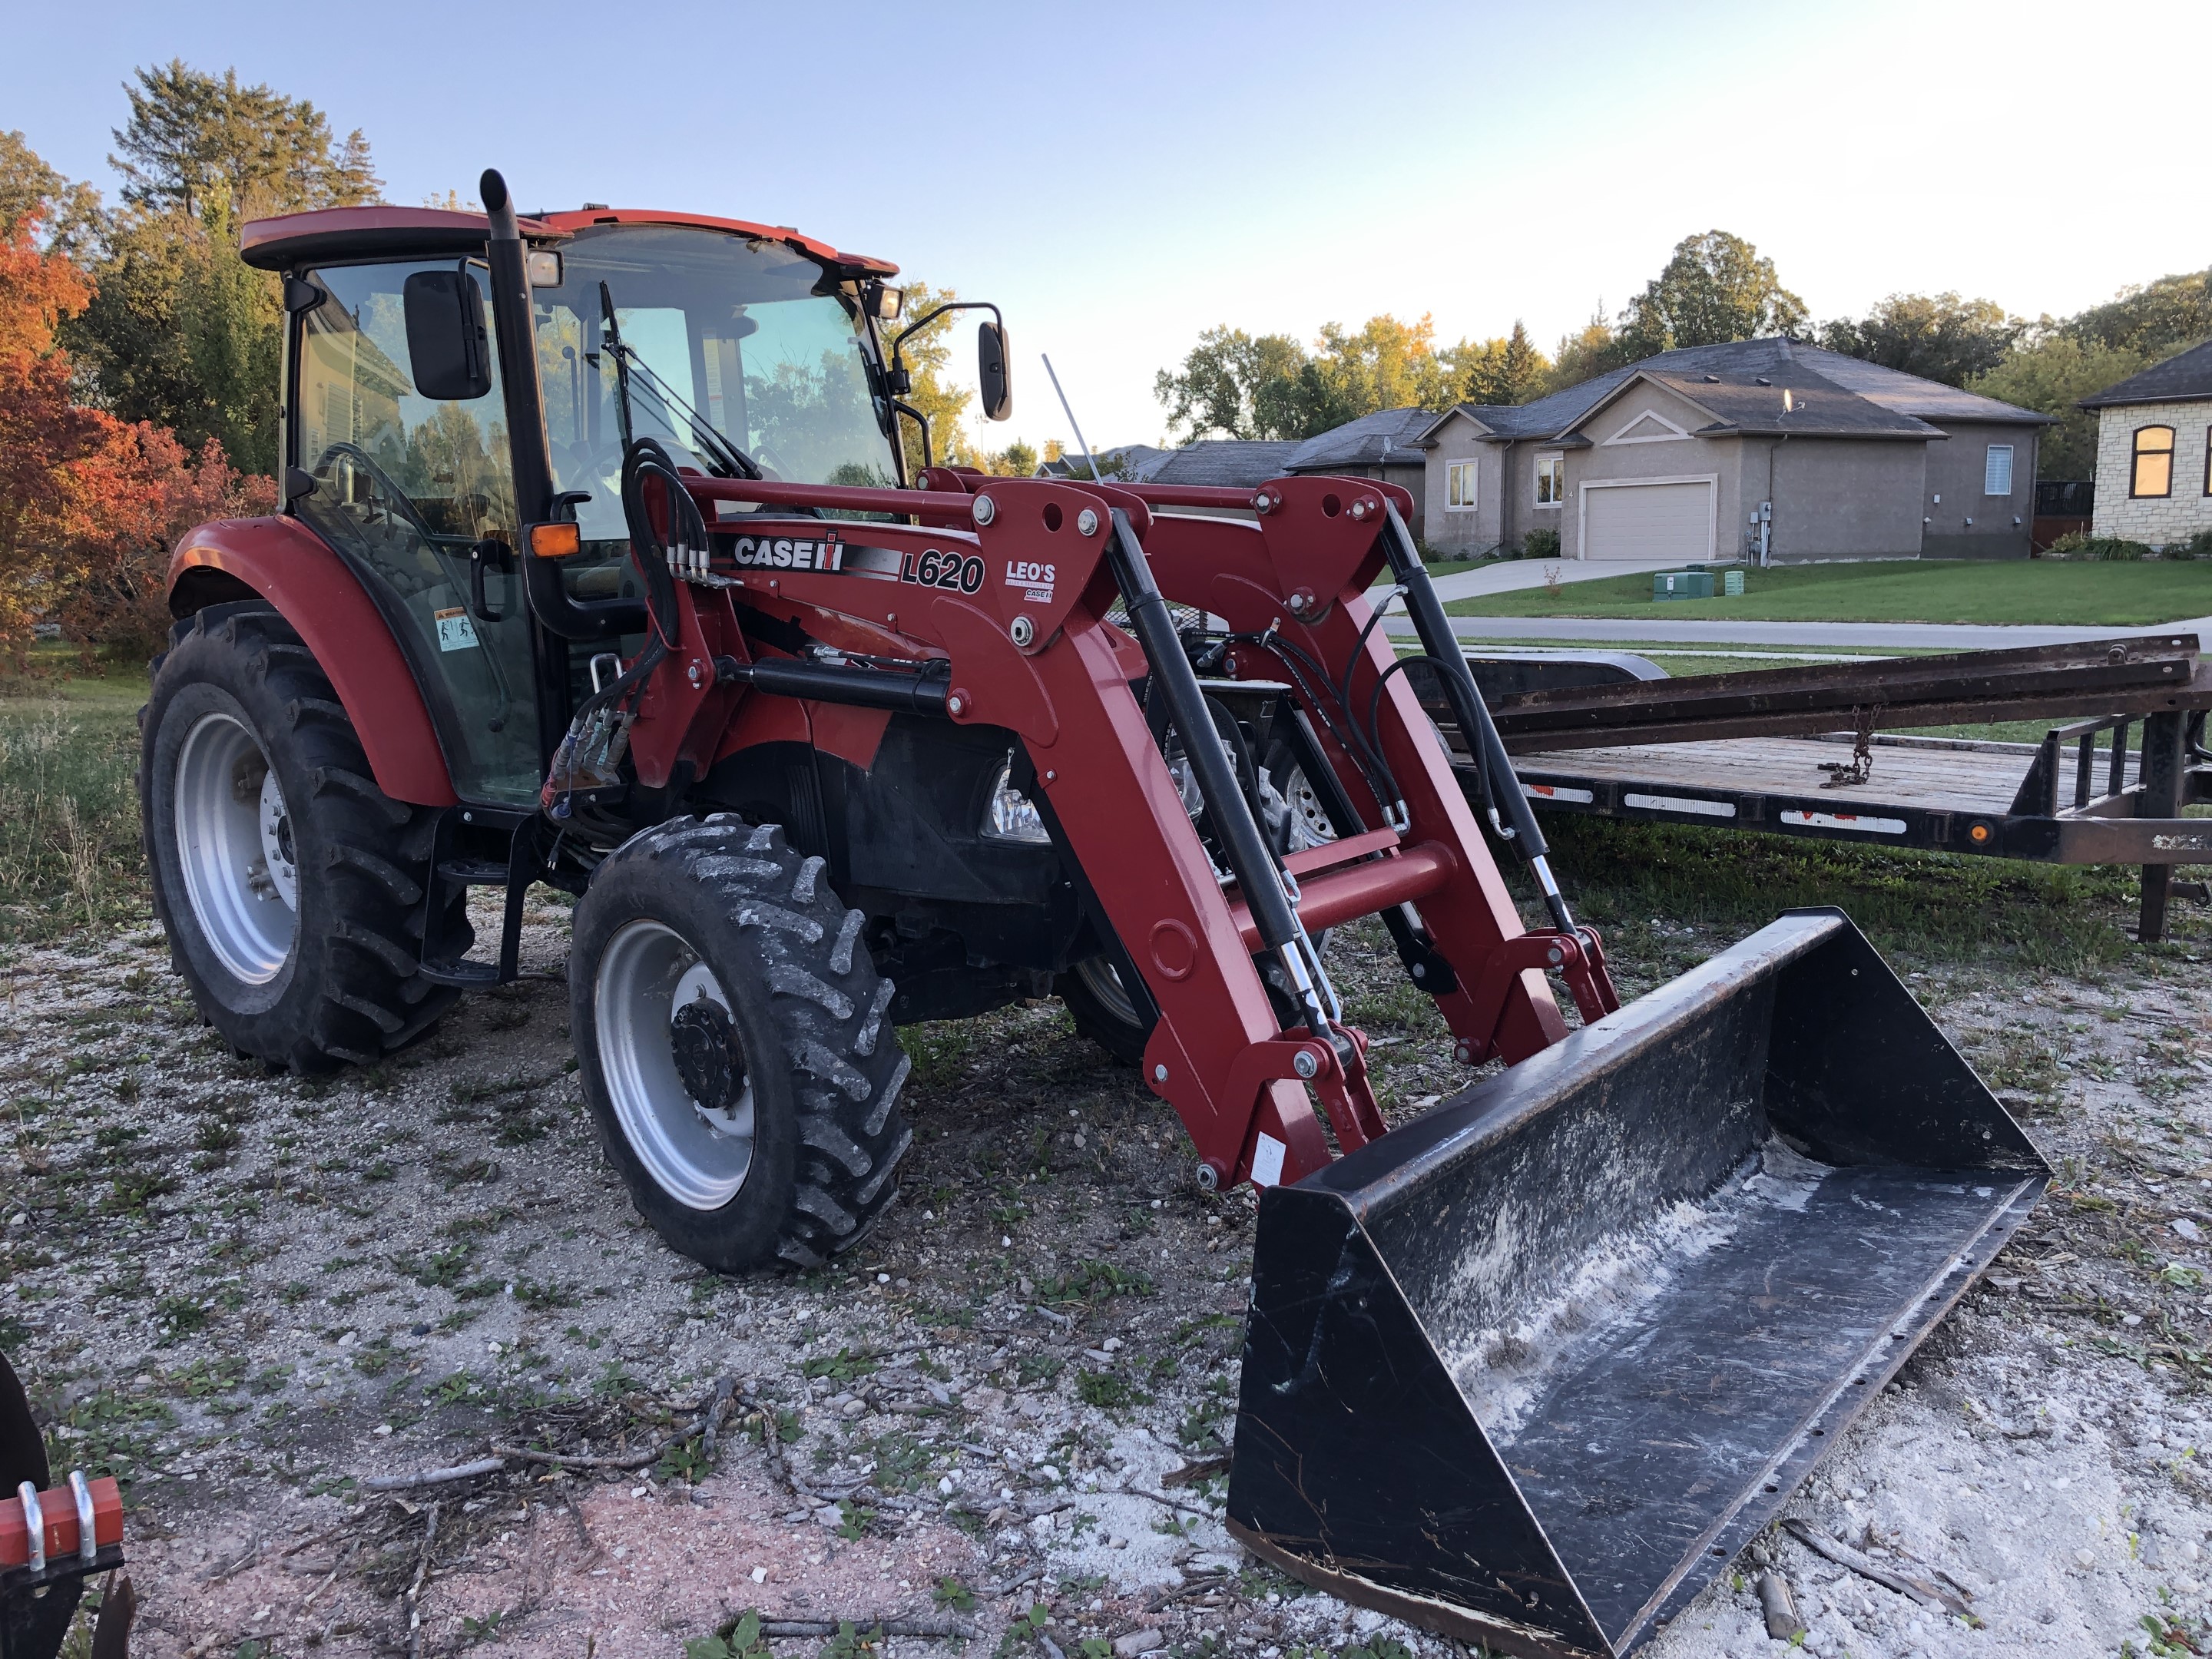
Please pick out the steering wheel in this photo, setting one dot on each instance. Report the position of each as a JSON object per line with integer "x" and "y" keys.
{"x": 388, "y": 487}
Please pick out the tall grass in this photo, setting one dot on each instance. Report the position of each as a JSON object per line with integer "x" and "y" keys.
{"x": 69, "y": 854}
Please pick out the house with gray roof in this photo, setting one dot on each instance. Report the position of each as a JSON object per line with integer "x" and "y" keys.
{"x": 1700, "y": 453}
{"x": 1386, "y": 445}
{"x": 2154, "y": 451}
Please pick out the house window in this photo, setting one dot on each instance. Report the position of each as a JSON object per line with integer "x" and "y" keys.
{"x": 1996, "y": 470}
{"x": 1550, "y": 480}
{"x": 2154, "y": 468}
{"x": 1459, "y": 487}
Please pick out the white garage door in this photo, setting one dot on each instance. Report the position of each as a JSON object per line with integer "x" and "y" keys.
{"x": 1648, "y": 521}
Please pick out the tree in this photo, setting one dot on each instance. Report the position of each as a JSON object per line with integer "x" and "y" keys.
{"x": 1938, "y": 337}
{"x": 189, "y": 131}
{"x": 68, "y": 213}
{"x": 89, "y": 504}
{"x": 1716, "y": 288}
{"x": 183, "y": 333}
{"x": 1234, "y": 385}
{"x": 1509, "y": 370}
{"x": 2156, "y": 320}
{"x": 1592, "y": 350}
{"x": 928, "y": 352}
{"x": 1387, "y": 364}
{"x": 2047, "y": 374}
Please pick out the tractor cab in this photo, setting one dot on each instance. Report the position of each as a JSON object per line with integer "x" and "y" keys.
{"x": 746, "y": 351}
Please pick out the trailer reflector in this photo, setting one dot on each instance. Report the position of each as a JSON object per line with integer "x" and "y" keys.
{"x": 1711, "y": 809}
{"x": 1842, "y": 821}
{"x": 1559, "y": 792}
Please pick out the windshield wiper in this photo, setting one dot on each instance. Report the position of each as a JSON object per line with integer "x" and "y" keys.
{"x": 628, "y": 362}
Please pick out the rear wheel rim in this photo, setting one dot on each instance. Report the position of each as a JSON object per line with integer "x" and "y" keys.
{"x": 700, "y": 1157}
{"x": 235, "y": 843}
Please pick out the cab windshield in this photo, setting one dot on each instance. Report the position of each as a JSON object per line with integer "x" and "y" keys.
{"x": 761, "y": 343}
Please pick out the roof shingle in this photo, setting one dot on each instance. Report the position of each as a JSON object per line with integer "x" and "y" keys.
{"x": 2183, "y": 379}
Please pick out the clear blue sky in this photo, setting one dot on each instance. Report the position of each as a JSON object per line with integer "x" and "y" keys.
{"x": 1119, "y": 177}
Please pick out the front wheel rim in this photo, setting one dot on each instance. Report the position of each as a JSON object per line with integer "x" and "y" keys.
{"x": 235, "y": 845}
{"x": 699, "y": 1156}
{"x": 1104, "y": 980}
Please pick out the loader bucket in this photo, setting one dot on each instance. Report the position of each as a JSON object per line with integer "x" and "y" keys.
{"x": 1530, "y": 1370}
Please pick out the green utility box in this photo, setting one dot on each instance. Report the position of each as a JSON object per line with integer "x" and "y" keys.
{"x": 1732, "y": 585}
{"x": 1681, "y": 584}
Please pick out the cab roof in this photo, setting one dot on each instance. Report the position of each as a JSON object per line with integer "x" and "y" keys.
{"x": 366, "y": 233}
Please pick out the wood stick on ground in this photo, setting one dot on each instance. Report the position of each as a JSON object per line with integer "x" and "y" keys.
{"x": 1191, "y": 1473}
{"x": 1138, "y": 1492}
{"x": 627, "y": 1461}
{"x": 1929, "y": 1595}
{"x": 1026, "y": 1576}
{"x": 1197, "y": 1586}
{"x": 949, "y": 1629}
{"x": 434, "y": 1477}
{"x": 412, "y": 1605}
{"x": 723, "y": 1391}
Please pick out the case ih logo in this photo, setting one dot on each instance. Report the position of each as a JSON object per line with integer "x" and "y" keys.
{"x": 784, "y": 553}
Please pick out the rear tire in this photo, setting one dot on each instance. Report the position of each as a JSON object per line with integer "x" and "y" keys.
{"x": 290, "y": 884}
{"x": 730, "y": 1029}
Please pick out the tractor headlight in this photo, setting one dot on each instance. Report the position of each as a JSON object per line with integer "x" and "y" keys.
{"x": 1013, "y": 815}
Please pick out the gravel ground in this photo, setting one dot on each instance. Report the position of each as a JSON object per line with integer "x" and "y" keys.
{"x": 249, "y": 1294}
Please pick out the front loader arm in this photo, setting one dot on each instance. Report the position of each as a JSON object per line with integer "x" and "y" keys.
{"x": 999, "y": 595}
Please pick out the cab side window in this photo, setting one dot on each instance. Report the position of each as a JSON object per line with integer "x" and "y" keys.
{"x": 412, "y": 489}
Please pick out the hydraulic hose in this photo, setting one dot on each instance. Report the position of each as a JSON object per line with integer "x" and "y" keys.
{"x": 1249, "y": 857}
{"x": 1442, "y": 644}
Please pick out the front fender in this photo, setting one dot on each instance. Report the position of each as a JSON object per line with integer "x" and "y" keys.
{"x": 283, "y": 561}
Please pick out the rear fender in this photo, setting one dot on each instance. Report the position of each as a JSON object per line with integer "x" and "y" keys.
{"x": 283, "y": 561}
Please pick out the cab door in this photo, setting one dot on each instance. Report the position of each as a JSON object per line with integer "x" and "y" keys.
{"x": 416, "y": 493}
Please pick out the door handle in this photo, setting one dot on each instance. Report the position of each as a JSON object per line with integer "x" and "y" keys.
{"x": 495, "y": 553}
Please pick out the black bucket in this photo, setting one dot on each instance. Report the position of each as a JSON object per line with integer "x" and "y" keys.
{"x": 1530, "y": 1370}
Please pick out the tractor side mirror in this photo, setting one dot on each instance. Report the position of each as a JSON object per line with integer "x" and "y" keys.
{"x": 447, "y": 343}
{"x": 992, "y": 374}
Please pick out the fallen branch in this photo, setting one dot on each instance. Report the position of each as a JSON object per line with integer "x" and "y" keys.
{"x": 723, "y": 1391}
{"x": 943, "y": 1629}
{"x": 1138, "y": 1492}
{"x": 627, "y": 1461}
{"x": 231, "y": 1570}
{"x": 1191, "y": 1473}
{"x": 1933, "y": 1596}
{"x": 412, "y": 1605}
{"x": 434, "y": 1477}
{"x": 1197, "y": 1586}
{"x": 1026, "y": 1576}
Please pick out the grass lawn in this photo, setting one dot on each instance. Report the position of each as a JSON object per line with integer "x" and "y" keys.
{"x": 69, "y": 803}
{"x": 1932, "y": 591}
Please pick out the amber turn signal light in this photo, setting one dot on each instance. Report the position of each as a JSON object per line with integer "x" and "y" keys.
{"x": 556, "y": 541}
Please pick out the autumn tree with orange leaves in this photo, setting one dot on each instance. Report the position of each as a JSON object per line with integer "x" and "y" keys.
{"x": 89, "y": 504}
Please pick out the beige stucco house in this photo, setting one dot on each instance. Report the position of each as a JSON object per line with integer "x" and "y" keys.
{"x": 1694, "y": 454}
{"x": 2155, "y": 452}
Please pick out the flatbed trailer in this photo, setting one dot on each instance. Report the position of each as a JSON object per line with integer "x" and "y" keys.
{"x": 1743, "y": 750}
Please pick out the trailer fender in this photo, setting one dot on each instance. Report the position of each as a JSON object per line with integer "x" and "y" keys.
{"x": 283, "y": 561}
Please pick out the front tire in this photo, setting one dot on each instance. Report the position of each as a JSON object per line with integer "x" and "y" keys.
{"x": 1103, "y": 1010}
{"x": 732, "y": 1045}
{"x": 290, "y": 884}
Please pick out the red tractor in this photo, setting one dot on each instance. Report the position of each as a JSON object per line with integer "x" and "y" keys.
{"x": 599, "y": 566}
